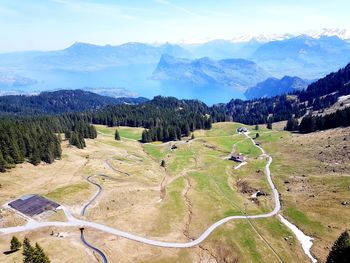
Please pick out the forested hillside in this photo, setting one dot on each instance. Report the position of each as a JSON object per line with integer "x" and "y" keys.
{"x": 166, "y": 118}
{"x": 319, "y": 95}
{"x": 318, "y": 123}
{"x": 36, "y": 139}
{"x": 61, "y": 101}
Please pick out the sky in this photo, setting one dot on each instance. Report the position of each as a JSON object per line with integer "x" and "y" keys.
{"x": 57, "y": 24}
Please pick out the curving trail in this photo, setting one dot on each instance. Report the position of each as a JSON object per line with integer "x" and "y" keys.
{"x": 74, "y": 222}
{"x": 92, "y": 247}
{"x": 83, "y": 214}
{"x": 94, "y": 197}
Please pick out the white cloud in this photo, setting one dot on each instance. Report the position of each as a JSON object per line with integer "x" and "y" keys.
{"x": 94, "y": 8}
{"x": 177, "y": 7}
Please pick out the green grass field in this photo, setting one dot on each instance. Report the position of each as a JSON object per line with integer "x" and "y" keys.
{"x": 124, "y": 132}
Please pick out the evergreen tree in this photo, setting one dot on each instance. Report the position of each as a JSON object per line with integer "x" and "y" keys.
{"x": 162, "y": 163}
{"x": 2, "y": 163}
{"x": 257, "y": 135}
{"x": 269, "y": 123}
{"x": 77, "y": 140}
{"x": 35, "y": 156}
{"x": 15, "y": 244}
{"x": 28, "y": 251}
{"x": 39, "y": 255}
{"x": 256, "y": 127}
{"x": 192, "y": 136}
{"x": 340, "y": 252}
{"x": 144, "y": 136}
{"x": 67, "y": 134}
{"x": 186, "y": 130}
{"x": 116, "y": 135}
{"x": 292, "y": 124}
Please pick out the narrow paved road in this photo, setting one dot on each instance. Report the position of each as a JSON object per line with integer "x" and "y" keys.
{"x": 94, "y": 197}
{"x": 92, "y": 247}
{"x": 74, "y": 222}
{"x": 82, "y": 237}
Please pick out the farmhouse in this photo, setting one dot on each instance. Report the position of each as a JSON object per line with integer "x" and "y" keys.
{"x": 32, "y": 205}
{"x": 173, "y": 147}
{"x": 242, "y": 129}
{"x": 237, "y": 158}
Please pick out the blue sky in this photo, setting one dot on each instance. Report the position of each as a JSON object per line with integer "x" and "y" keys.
{"x": 56, "y": 24}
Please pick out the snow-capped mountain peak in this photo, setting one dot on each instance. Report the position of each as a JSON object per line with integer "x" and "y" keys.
{"x": 262, "y": 38}
{"x": 342, "y": 33}
{"x": 327, "y": 32}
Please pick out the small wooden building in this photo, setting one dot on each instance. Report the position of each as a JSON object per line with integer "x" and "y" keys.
{"x": 237, "y": 158}
{"x": 242, "y": 129}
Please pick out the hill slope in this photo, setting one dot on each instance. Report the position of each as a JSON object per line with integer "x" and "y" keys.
{"x": 273, "y": 87}
{"x": 59, "y": 102}
{"x": 318, "y": 96}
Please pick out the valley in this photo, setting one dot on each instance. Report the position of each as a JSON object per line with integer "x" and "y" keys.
{"x": 196, "y": 187}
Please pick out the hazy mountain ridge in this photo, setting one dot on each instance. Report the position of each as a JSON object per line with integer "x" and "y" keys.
{"x": 89, "y": 57}
{"x": 13, "y": 80}
{"x": 130, "y": 66}
{"x": 235, "y": 73}
{"x": 303, "y": 56}
{"x": 273, "y": 87}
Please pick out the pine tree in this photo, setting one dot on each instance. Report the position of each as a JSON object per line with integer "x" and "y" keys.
{"x": 28, "y": 251}
{"x": 67, "y": 134}
{"x": 35, "y": 156}
{"x": 192, "y": 136}
{"x": 256, "y": 127}
{"x": 269, "y": 124}
{"x": 340, "y": 252}
{"x": 292, "y": 124}
{"x": 77, "y": 140}
{"x": 15, "y": 244}
{"x": 187, "y": 130}
{"x": 257, "y": 135}
{"x": 144, "y": 136}
{"x": 2, "y": 163}
{"x": 57, "y": 147}
{"x": 116, "y": 135}
{"x": 39, "y": 255}
{"x": 162, "y": 163}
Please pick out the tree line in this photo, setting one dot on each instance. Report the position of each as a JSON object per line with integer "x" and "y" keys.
{"x": 340, "y": 118}
{"x": 164, "y": 118}
{"x": 38, "y": 139}
{"x": 311, "y": 123}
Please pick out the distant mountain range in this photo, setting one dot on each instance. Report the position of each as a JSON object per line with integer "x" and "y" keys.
{"x": 89, "y": 57}
{"x": 273, "y": 87}
{"x": 14, "y": 80}
{"x": 237, "y": 74}
{"x": 146, "y": 69}
{"x": 303, "y": 56}
{"x": 341, "y": 33}
{"x": 62, "y": 101}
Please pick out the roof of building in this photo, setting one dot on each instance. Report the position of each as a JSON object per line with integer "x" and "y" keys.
{"x": 237, "y": 158}
{"x": 31, "y": 205}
